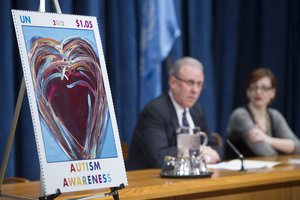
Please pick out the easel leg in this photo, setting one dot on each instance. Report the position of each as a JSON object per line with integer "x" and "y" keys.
{"x": 52, "y": 196}
{"x": 12, "y": 131}
{"x": 114, "y": 191}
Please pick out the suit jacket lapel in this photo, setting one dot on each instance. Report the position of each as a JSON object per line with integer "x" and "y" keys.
{"x": 195, "y": 116}
{"x": 172, "y": 113}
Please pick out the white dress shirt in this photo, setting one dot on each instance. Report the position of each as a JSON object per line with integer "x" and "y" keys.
{"x": 179, "y": 111}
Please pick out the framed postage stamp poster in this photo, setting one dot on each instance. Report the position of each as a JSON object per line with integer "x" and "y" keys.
{"x": 70, "y": 101}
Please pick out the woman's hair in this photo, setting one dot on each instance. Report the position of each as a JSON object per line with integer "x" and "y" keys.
{"x": 260, "y": 73}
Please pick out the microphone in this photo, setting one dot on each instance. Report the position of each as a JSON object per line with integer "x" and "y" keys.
{"x": 238, "y": 153}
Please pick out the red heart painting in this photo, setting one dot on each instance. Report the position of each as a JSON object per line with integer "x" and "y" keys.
{"x": 70, "y": 94}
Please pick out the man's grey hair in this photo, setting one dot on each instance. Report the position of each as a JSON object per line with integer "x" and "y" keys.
{"x": 174, "y": 69}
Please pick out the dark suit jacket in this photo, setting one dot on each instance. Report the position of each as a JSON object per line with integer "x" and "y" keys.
{"x": 155, "y": 134}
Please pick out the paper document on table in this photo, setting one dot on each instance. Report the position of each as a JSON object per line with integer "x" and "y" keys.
{"x": 294, "y": 161}
{"x": 248, "y": 164}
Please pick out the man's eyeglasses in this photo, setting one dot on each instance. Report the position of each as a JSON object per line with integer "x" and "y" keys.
{"x": 261, "y": 88}
{"x": 190, "y": 83}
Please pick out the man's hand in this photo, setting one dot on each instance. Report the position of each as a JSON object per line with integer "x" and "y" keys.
{"x": 210, "y": 155}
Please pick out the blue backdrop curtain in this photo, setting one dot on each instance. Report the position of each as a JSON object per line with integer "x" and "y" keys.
{"x": 230, "y": 37}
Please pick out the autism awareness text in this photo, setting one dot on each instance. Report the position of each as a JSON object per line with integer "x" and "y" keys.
{"x": 85, "y": 166}
{"x": 87, "y": 180}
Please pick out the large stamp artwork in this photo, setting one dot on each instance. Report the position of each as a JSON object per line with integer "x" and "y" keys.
{"x": 70, "y": 101}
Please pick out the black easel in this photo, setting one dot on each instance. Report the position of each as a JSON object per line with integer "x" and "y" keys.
{"x": 114, "y": 190}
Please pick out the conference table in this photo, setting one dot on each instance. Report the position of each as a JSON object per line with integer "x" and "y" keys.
{"x": 279, "y": 182}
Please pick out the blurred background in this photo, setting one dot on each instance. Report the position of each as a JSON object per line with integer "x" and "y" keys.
{"x": 141, "y": 38}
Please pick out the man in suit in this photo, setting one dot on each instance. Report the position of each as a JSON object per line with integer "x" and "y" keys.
{"x": 155, "y": 133}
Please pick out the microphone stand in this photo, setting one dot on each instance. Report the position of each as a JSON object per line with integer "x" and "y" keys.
{"x": 238, "y": 153}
